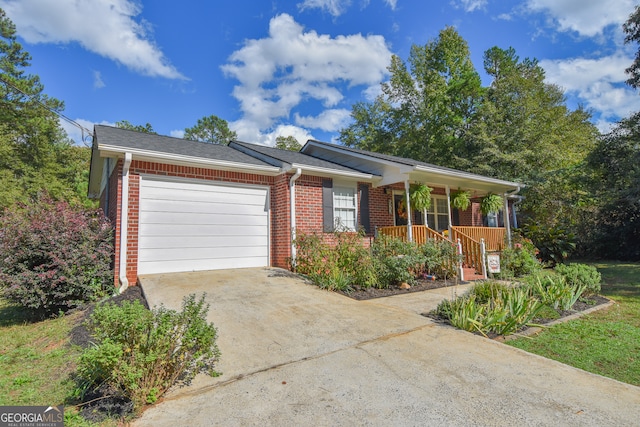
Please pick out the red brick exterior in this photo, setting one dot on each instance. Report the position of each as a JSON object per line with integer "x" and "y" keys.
{"x": 280, "y": 222}
{"x": 308, "y": 207}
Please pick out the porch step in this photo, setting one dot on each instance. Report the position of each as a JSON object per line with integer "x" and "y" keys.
{"x": 471, "y": 275}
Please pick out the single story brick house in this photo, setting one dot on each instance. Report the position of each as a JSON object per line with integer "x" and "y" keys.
{"x": 180, "y": 205}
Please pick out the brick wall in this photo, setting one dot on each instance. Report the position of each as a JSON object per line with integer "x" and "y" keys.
{"x": 379, "y": 208}
{"x": 280, "y": 222}
{"x": 309, "y": 204}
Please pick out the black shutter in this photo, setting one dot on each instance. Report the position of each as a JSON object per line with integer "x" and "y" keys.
{"x": 365, "y": 220}
{"x": 327, "y": 206}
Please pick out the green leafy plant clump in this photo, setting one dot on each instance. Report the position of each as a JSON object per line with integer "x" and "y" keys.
{"x": 581, "y": 275}
{"x": 461, "y": 199}
{"x": 491, "y": 307}
{"x": 139, "y": 353}
{"x": 341, "y": 261}
{"x": 491, "y": 203}
{"x": 54, "y": 257}
{"x": 519, "y": 260}
{"x": 397, "y": 261}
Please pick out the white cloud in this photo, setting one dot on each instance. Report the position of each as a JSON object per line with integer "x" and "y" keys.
{"x": 470, "y": 5}
{"x": 391, "y": 3}
{"x": 338, "y": 7}
{"x": 178, "y": 133}
{"x": 81, "y": 136}
{"x": 334, "y": 7}
{"x": 328, "y": 120}
{"x": 105, "y": 27}
{"x": 585, "y": 17}
{"x": 98, "y": 83}
{"x": 598, "y": 83}
{"x": 290, "y": 67}
{"x": 372, "y": 92}
{"x": 248, "y": 132}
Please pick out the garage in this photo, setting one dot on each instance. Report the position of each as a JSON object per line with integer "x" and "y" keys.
{"x": 191, "y": 225}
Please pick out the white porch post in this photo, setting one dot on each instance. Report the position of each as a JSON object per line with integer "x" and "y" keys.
{"x": 406, "y": 194}
{"x": 507, "y": 222}
{"x": 448, "y": 191}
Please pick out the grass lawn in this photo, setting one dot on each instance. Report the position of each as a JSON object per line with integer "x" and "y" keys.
{"x": 606, "y": 342}
{"x": 36, "y": 361}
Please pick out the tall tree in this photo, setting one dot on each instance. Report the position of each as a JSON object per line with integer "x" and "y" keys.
{"x": 632, "y": 30}
{"x": 523, "y": 127}
{"x": 35, "y": 153}
{"x": 426, "y": 107}
{"x": 616, "y": 165}
{"x": 288, "y": 143}
{"x": 125, "y": 124}
{"x": 211, "y": 129}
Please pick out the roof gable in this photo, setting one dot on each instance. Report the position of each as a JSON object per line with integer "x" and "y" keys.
{"x": 123, "y": 140}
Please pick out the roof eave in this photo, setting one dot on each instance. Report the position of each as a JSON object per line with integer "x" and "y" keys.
{"x": 182, "y": 160}
{"x": 335, "y": 172}
{"x": 508, "y": 185}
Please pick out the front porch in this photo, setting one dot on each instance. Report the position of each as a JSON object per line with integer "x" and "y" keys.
{"x": 473, "y": 242}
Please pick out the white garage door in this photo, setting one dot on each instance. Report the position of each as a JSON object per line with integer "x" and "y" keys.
{"x": 188, "y": 225}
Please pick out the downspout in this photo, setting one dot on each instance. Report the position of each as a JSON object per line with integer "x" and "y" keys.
{"x": 124, "y": 222}
{"x": 409, "y": 228}
{"x": 292, "y": 187}
{"x": 514, "y": 216}
{"x": 507, "y": 223}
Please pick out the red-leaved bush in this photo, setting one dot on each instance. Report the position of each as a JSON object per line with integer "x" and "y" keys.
{"x": 53, "y": 256}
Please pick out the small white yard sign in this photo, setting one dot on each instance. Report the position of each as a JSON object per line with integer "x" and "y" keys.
{"x": 493, "y": 263}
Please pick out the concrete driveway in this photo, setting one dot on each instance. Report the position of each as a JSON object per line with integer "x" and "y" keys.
{"x": 294, "y": 355}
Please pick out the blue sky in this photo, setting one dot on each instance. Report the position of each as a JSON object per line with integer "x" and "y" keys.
{"x": 296, "y": 67}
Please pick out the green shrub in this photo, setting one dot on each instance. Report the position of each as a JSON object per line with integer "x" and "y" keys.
{"x": 337, "y": 262}
{"x": 487, "y": 290}
{"x": 440, "y": 258}
{"x": 139, "y": 353}
{"x": 467, "y": 314}
{"x": 54, "y": 257}
{"x": 491, "y": 308}
{"x": 516, "y": 308}
{"x": 578, "y": 275}
{"x": 396, "y": 261}
{"x": 556, "y": 292}
{"x": 517, "y": 262}
{"x": 554, "y": 243}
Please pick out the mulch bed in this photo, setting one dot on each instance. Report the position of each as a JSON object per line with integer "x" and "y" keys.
{"x": 421, "y": 285}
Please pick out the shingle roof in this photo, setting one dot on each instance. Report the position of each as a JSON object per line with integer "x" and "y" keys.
{"x": 294, "y": 157}
{"x": 128, "y": 139}
{"x": 387, "y": 157}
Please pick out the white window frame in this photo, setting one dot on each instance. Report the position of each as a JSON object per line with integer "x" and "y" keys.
{"x": 351, "y": 186}
{"x": 434, "y": 213}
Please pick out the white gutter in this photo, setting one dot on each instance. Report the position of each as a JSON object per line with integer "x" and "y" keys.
{"x": 292, "y": 186}
{"x": 334, "y": 172}
{"x": 465, "y": 175}
{"x": 124, "y": 222}
{"x": 114, "y": 150}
